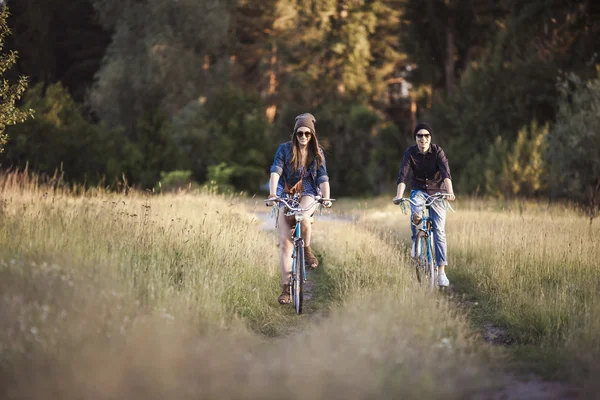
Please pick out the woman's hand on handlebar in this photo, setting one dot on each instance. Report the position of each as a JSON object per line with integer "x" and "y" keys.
{"x": 271, "y": 200}
{"x": 326, "y": 202}
{"x": 397, "y": 200}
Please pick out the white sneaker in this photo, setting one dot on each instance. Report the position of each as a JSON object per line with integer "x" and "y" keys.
{"x": 413, "y": 250}
{"x": 443, "y": 280}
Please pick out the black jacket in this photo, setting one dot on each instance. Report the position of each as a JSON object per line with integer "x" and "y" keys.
{"x": 428, "y": 170}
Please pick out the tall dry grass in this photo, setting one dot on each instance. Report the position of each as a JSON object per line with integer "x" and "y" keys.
{"x": 534, "y": 269}
{"x": 173, "y": 296}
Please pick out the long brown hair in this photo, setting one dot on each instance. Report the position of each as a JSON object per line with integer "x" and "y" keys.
{"x": 314, "y": 152}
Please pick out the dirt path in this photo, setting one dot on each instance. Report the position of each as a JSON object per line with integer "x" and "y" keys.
{"x": 515, "y": 386}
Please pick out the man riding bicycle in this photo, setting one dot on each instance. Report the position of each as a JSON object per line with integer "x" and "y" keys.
{"x": 430, "y": 174}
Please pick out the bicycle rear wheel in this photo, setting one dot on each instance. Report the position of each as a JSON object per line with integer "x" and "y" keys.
{"x": 298, "y": 279}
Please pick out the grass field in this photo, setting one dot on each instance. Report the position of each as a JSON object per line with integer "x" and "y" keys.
{"x": 174, "y": 296}
{"x": 533, "y": 268}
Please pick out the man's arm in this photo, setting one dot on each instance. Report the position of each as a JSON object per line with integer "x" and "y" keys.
{"x": 399, "y": 192}
{"x": 449, "y": 188}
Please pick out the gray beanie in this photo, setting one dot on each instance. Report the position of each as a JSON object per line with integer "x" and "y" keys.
{"x": 308, "y": 120}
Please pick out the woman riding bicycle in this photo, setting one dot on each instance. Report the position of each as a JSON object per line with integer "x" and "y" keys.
{"x": 298, "y": 168}
{"x": 430, "y": 175}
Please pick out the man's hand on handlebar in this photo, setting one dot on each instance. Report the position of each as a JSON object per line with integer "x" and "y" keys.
{"x": 327, "y": 203}
{"x": 396, "y": 200}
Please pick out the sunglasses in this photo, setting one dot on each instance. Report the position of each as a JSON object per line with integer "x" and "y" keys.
{"x": 305, "y": 134}
{"x": 419, "y": 136}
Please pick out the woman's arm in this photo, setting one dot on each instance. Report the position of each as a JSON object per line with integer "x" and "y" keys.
{"x": 325, "y": 189}
{"x": 273, "y": 180}
{"x": 325, "y": 192}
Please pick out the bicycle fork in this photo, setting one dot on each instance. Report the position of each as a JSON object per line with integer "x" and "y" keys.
{"x": 419, "y": 251}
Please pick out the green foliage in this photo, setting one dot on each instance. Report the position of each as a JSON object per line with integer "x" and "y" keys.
{"x": 517, "y": 169}
{"x": 60, "y": 138}
{"x": 163, "y": 55}
{"x": 499, "y": 94}
{"x": 174, "y": 180}
{"x": 151, "y": 150}
{"x": 574, "y": 141}
{"x": 10, "y": 94}
{"x": 349, "y": 132}
{"x": 219, "y": 177}
{"x": 330, "y": 48}
{"x": 231, "y": 128}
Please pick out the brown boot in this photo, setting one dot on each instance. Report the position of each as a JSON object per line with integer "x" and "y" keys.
{"x": 284, "y": 297}
{"x": 309, "y": 258}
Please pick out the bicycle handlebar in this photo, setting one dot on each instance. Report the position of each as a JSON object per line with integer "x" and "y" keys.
{"x": 286, "y": 202}
{"x": 430, "y": 200}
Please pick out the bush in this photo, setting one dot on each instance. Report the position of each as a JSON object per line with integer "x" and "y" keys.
{"x": 175, "y": 180}
{"x": 61, "y": 138}
{"x": 517, "y": 170}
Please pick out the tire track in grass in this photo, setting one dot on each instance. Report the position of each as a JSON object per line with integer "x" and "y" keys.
{"x": 518, "y": 381}
{"x": 317, "y": 288}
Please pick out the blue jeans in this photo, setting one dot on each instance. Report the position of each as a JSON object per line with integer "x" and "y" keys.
{"x": 437, "y": 213}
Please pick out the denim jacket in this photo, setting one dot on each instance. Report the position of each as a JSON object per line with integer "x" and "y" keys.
{"x": 282, "y": 166}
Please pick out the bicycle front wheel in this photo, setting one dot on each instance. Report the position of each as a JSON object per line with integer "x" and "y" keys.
{"x": 421, "y": 254}
{"x": 433, "y": 271}
{"x": 298, "y": 280}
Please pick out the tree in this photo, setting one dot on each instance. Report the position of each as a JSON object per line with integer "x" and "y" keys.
{"x": 163, "y": 55}
{"x": 58, "y": 41}
{"x": 574, "y": 143}
{"x": 512, "y": 82}
{"x": 10, "y": 94}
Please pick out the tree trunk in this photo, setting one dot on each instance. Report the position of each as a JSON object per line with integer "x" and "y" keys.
{"x": 272, "y": 90}
{"x": 450, "y": 53}
{"x": 594, "y": 201}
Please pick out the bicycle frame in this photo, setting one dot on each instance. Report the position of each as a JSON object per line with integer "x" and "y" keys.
{"x": 298, "y": 242}
{"x": 298, "y": 273}
{"x": 425, "y": 231}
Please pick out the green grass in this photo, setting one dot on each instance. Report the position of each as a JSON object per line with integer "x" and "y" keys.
{"x": 174, "y": 296}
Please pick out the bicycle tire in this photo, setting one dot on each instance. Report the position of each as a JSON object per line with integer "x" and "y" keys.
{"x": 298, "y": 279}
{"x": 433, "y": 270}
{"x": 421, "y": 253}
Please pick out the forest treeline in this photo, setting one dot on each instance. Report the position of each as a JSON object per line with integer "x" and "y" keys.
{"x": 175, "y": 90}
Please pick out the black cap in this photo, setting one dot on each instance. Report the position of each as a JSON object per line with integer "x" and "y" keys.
{"x": 422, "y": 125}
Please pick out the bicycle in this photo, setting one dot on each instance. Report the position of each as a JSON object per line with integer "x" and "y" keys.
{"x": 298, "y": 275}
{"x": 426, "y": 267}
